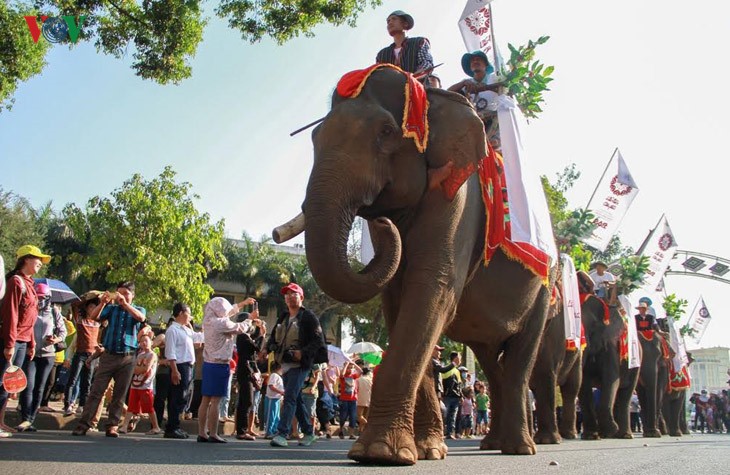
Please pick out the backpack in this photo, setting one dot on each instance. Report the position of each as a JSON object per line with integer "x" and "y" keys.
{"x": 23, "y": 288}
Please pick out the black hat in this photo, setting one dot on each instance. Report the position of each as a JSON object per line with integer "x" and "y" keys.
{"x": 406, "y": 18}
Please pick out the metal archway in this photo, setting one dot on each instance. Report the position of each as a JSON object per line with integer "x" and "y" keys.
{"x": 698, "y": 264}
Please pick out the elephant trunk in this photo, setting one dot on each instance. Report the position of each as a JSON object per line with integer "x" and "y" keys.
{"x": 328, "y": 223}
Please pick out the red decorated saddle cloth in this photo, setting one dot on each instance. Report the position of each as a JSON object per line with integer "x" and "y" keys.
{"x": 679, "y": 380}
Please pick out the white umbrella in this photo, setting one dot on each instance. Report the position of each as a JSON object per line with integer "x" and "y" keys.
{"x": 365, "y": 347}
{"x": 336, "y": 356}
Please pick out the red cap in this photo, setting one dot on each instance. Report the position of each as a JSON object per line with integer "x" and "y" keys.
{"x": 42, "y": 289}
{"x": 292, "y": 287}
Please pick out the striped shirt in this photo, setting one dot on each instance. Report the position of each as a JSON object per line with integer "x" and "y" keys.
{"x": 121, "y": 334}
{"x": 414, "y": 56}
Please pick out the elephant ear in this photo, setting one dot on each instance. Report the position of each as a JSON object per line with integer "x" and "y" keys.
{"x": 456, "y": 141}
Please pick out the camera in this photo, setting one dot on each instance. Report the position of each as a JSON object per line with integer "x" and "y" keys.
{"x": 288, "y": 356}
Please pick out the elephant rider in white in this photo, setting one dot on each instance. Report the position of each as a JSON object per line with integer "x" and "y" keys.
{"x": 601, "y": 279}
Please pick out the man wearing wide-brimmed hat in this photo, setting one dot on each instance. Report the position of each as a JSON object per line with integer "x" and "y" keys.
{"x": 601, "y": 278}
{"x": 410, "y": 54}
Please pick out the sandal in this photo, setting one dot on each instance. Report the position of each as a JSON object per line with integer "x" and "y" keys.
{"x": 132, "y": 424}
{"x": 153, "y": 432}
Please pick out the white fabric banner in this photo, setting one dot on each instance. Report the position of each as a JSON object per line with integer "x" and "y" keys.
{"x": 571, "y": 301}
{"x": 475, "y": 25}
{"x": 699, "y": 320}
{"x": 367, "y": 252}
{"x": 634, "y": 349}
{"x": 528, "y": 211}
{"x": 611, "y": 200}
{"x": 660, "y": 248}
{"x": 677, "y": 343}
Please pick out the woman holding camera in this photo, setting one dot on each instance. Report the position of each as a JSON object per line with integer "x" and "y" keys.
{"x": 219, "y": 332}
{"x": 248, "y": 377}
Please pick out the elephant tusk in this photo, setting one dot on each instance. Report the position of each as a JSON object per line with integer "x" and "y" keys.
{"x": 289, "y": 230}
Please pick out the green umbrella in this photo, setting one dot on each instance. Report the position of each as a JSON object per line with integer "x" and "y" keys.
{"x": 374, "y": 358}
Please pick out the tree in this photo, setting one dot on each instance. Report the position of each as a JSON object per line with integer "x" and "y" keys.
{"x": 20, "y": 58}
{"x": 151, "y": 233}
{"x": 163, "y": 35}
{"x": 20, "y": 224}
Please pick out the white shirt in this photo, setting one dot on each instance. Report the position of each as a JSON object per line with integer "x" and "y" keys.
{"x": 275, "y": 381}
{"x": 598, "y": 280}
{"x": 179, "y": 341}
{"x": 220, "y": 336}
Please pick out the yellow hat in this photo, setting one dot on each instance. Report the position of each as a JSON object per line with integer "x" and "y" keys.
{"x": 29, "y": 250}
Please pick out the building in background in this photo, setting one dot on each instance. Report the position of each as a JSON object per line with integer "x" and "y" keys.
{"x": 710, "y": 369}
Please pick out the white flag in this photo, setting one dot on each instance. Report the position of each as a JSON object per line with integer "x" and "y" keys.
{"x": 476, "y": 28}
{"x": 571, "y": 301}
{"x": 610, "y": 201}
{"x": 699, "y": 320}
{"x": 660, "y": 248}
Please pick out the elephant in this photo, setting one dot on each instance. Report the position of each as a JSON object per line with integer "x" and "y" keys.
{"x": 429, "y": 262}
{"x": 555, "y": 365}
{"x": 604, "y": 368}
{"x": 653, "y": 381}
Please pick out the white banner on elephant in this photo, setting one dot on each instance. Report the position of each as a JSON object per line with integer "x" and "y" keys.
{"x": 528, "y": 211}
{"x": 699, "y": 320}
{"x": 676, "y": 342}
{"x": 659, "y": 247}
{"x": 571, "y": 301}
{"x": 610, "y": 201}
{"x": 633, "y": 335}
{"x": 475, "y": 25}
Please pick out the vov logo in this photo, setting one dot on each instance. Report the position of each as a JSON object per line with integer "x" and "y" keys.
{"x": 55, "y": 29}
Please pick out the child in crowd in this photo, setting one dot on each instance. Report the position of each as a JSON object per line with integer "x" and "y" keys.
{"x": 274, "y": 393}
{"x": 141, "y": 397}
{"x": 348, "y": 398}
{"x": 467, "y": 411}
{"x": 482, "y": 400}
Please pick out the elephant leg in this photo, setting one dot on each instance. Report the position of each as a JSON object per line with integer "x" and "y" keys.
{"x": 489, "y": 361}
{"x": 569, "y": 391}
{"x": 519, "y": 358}
{"x": 609, "y": 386}
{"x": 547, "y": 425}
{"x": 648, "y": 404}
{"x": 427, "y": 422}
{"x": 621, "y": 411}
{"x": 588, "y": 411}
{"x": 389, "y": 436}
{"x": 683, "y": 413}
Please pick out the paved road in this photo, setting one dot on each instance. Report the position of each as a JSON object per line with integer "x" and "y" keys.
{"x": 57, "y": 452}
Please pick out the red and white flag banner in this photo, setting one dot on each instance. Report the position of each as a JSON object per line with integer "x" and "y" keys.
{"x": 475, "y": 25}
{"x": 699, "y": 320}
{"x": 610, "y": 201}
{"x": 660, "y": 248}
{"x": 571, "y": 302}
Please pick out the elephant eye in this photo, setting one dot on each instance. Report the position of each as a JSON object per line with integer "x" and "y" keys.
{"x": 387, "y": 131}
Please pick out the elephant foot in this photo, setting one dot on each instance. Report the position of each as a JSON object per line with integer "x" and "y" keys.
{"x": 685, "y": 431}
{"x": 609, "y": 431}
{"x": 623, "y": 435}
{"x": 490, "y": 443}
{"x": 544, "y": 437}
{"x": 570, "y": 435}
{"x": 653, "y": 433}
{"x": 431, "y": 448}
{"x": 384, "y": 448}
{"x": 590, "y": 436}
{"x": 675, "y": 434}
{"x": 520, "y": 445}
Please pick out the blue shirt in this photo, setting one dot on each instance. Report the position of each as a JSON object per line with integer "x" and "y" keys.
{"x": 121, "y": 334}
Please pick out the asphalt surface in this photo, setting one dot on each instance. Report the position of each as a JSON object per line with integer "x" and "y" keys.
{"x": 57, "y": 452}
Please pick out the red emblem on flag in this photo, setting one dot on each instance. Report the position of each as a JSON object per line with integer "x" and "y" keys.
{"x": 478, "y": 22}
{"x": 618, "y": 188}
{"x": 666, "y": 241}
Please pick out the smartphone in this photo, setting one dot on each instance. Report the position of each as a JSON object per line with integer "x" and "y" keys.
{"x": 255, "y": 306}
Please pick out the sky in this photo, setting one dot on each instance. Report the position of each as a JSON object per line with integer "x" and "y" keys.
{"x": 643, "y": 76}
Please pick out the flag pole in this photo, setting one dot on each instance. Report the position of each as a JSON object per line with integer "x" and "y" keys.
{"x": 497, "y": 65}
{"x": 601, "y": 179}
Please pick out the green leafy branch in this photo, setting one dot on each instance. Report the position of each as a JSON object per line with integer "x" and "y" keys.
{"x": 674, "y": 307}
{"x": 631, "y": 273}
{"x": 525, "y": 78}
